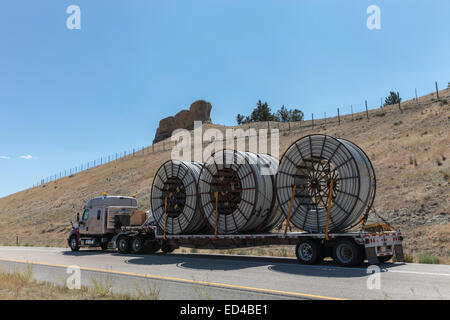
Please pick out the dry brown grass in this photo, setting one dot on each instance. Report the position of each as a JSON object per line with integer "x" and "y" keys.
{"x": 410, "y": 153}
{"x": 21, "y": 286}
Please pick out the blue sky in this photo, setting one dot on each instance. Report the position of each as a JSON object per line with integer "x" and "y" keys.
{"x": 70, "y": 96}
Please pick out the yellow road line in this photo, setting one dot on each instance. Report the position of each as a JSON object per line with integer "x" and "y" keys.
{"x": 218, "y": 284}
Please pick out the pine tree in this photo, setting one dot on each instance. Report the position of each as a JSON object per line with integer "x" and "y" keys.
{"x": 284, "y": 114}
{"x": 240, "y": 119}
{"x": 262, "y": 112}
{"x": 296, "y": 115}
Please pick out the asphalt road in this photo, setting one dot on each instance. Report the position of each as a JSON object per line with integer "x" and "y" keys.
{"x": 198, "y": 276}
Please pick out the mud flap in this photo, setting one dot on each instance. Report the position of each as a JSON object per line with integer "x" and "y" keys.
{"x": 372, "y": 256}
{"x": 398, "y": 250}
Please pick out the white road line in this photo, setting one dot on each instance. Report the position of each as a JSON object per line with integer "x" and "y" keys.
{"x": 421, "y": 273}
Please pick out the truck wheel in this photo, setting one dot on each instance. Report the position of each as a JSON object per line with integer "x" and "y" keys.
{"x": 309, "y": 251}
{"x": 166, "y": 248}
{"x": 137, "y": 245}
{"x": 74, "y": 243}
{"x": 123, "y": 244}
{"x": 347, "y": 253}
{"x": 384, "y": 259}
{"x": 153, "y": 247}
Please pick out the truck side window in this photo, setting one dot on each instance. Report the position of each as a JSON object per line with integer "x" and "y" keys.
{"x": 85, "y": 214}
{"x": 99, "y": 213}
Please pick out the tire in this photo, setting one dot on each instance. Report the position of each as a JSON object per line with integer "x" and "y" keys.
{"x": 104, "y": 246}
{"x": 166, "y": 248}
{"x": 123, "y": 244}
{"x": 309, "y": 251}
{"x": 153, "y": 247}
{"x": 384, "y": 259}
{"x": 73, "y": 243}
{"x": 347, "y": 253}
{"x": 137, "y": 245}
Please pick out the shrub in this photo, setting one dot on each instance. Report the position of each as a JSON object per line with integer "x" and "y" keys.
{"x": 406, "y": 258}
{"x": 393, "y": 98}
{"x": 428, "y": 259}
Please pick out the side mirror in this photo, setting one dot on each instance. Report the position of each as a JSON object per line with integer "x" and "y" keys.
{"x": 78, "y": 217}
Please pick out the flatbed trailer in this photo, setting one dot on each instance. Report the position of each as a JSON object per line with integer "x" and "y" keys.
{"x": 346, "y": 248}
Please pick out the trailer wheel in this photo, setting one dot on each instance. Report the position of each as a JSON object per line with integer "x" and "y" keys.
{"x": 153, "y": 247}
{"x": 308, "y": 251}
{"x": 166, "y": 248}
{"x": 384, "y": 259}
{"x": 74, "y": 243}
{"x": 347, "y": 253}
{"x": 137, "y": 244}
{"x": 123, "y": 244}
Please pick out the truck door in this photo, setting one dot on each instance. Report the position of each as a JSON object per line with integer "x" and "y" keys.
{"x": 95, "y": 221}
{"x": 83, "y": 224}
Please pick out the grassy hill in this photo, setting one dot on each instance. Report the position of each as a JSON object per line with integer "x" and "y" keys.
{"x": 409, "y": 150}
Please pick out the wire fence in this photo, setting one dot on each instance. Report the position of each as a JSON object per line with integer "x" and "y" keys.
{"x": 354, "y": 112}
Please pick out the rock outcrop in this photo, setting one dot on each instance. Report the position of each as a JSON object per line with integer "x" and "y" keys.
{"x": 200, "y": 110}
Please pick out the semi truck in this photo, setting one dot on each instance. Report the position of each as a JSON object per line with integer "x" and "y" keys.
{"x": 110, "y": 222}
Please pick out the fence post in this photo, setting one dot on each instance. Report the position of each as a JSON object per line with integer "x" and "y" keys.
{"x": 437, "y": 90}
{"x": 312, "y": 118}
{"x": 351, "y": 110}
{"x": 339, "y": 117}
{"x": 367, "y": 112}
{"x": 398, "y": 95}
{"x": 325, "y": 117}
{"x": 417, "y": 100}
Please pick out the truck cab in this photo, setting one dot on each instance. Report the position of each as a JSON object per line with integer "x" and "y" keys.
{"x": 100, "y": 220}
